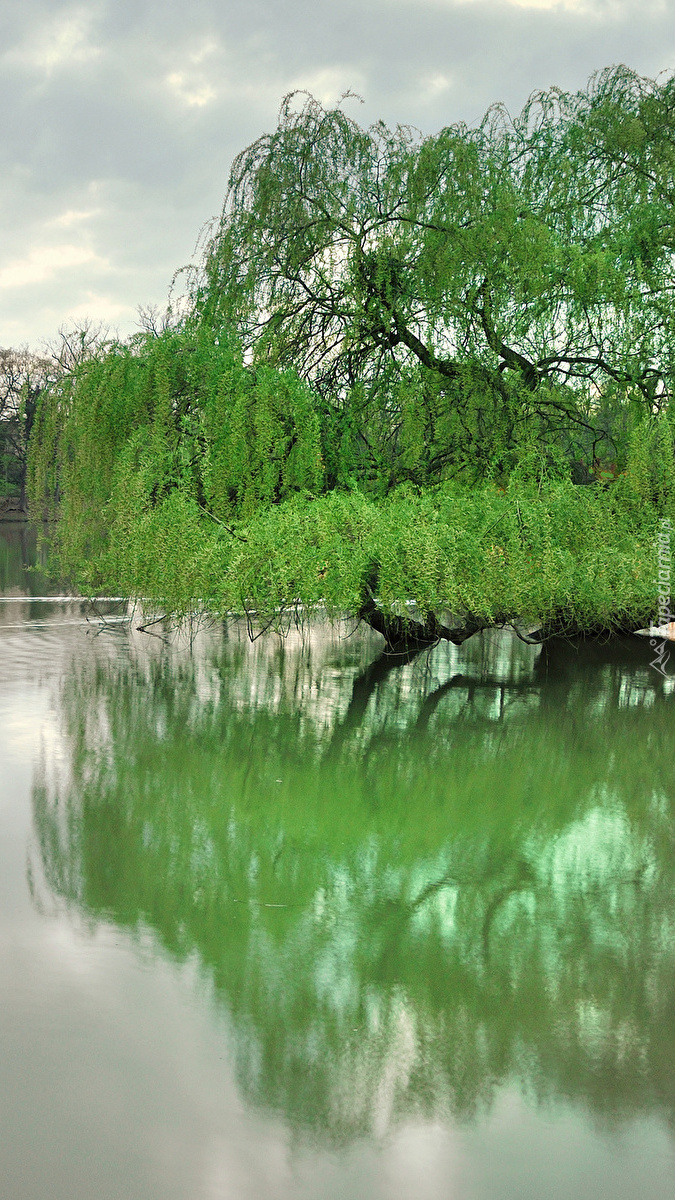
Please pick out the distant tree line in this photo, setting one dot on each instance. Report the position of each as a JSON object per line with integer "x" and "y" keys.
{"x": 26, "y": 376}
{"x": 23, "y": 376}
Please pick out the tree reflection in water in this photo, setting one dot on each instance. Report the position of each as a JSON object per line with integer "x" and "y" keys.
{"x": 407, "y": 884}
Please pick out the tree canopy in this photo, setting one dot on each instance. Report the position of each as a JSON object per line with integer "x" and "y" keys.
{"x": 453, "y": 296}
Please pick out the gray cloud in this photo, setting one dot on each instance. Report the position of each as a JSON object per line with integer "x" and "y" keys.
{"x": 121, "y": 117}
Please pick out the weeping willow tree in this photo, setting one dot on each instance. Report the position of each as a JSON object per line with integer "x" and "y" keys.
{"x": 396, "y": 361}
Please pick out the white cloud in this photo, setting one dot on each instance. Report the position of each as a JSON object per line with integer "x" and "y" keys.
{"x": 193, "y": 84}
{"x": 99, "y": 308}
{"x": 74, "y": 216}
{"x": 193, "y": 93}
{"x": 434, "y": 85}
{"x": 62, "y": 42}
{"x": 43, "y": 262}
{"x": 208, "y": 47}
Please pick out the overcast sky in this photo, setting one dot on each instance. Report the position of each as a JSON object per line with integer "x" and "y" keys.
{"x": 120, "y": 118}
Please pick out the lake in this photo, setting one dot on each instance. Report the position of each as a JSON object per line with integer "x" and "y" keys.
{"x": 287, "y": 919}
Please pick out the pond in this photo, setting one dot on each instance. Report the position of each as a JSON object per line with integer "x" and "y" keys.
{"x": 286, "y": 919}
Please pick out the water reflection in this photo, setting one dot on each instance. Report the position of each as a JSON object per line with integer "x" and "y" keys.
{"x": 18, "y": 548}
{"x": 406, "y": 886}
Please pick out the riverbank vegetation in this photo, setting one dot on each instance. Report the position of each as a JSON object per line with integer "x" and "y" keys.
{"x": 430, "y": 370}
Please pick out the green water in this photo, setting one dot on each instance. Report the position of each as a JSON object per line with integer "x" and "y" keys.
{"x": 285, "y": 920}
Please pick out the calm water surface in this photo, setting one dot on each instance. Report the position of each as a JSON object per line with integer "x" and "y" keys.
{"x": 280, "y": 921}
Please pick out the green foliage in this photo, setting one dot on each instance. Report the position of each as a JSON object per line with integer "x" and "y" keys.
{"x": 462, "y": 292}
{"x": 133, "y": 444}
{"x": 398, "y": 352}
{"x": 8, "y": 480}
{"x": 650, "y": 475}
{"x": 552, "y": 554}
{"x": 262, "y": 442}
